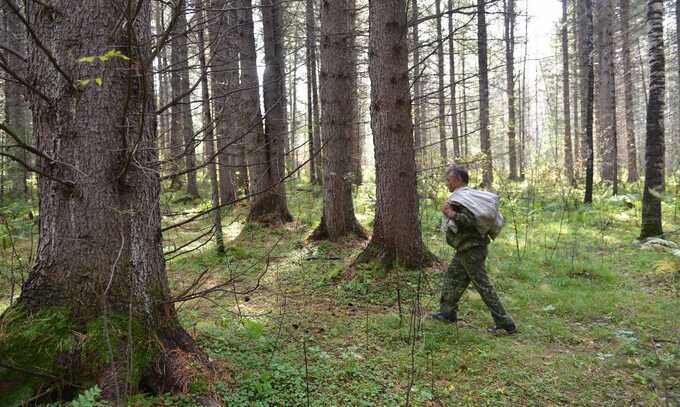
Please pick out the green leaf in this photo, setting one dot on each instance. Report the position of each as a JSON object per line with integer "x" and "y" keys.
{"x": 99, "y": 81}
{"x": 87, "y": 60}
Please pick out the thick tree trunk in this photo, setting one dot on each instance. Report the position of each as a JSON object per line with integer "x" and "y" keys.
{"x": 267, "y": 165}
{"x": 96, "y": 306}
{"x": 655, "y": 145}
{"x": 452, "y": 73}
{"x": 484, "y": 136}
{"x": 441, "y": 101}
{"x": 209, "y": 142}
{"x": 181, "y": 110}
{"x": 510, "y": 84}
{"x": 224, "y": 82}
{"x": 607, "y": 92}
{"x": 631, "y": 146}
{"x": 568, "y": 154}
{"x": 585, "y": 16}
{"x": 337, "y": 120}
{"x": 396, "y": 234}
{"x": 17, "y": 115}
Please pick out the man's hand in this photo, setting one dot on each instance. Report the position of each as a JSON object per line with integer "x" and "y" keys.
{"x": 448, "y": 211}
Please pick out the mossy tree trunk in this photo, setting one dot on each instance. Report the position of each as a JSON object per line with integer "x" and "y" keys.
{"x": 99, "y": 270}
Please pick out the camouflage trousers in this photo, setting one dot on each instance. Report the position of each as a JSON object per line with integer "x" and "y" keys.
{"x": 465, "y": 268}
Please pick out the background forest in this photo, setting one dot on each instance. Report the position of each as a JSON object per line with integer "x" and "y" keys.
{"x": 237, "y": 202}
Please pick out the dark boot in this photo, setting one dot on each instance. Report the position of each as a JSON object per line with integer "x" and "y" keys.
{"x": 497, "y": 330}
{"x": 444, "y": 317}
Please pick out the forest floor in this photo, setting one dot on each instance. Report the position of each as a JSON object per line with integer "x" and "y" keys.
{"x": 296, "y": 324}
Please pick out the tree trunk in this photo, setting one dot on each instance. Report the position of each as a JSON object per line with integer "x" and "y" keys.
{"x": 466, "y": 150}
{"x": 161, "y": 97}
{"x": 417, "y": 81}
{"x": 655, "y": 145}
{"x": 576, "y": 80}
{"x": 224, "y": 82}
{"x": 396, "y": 234}
{"x": 96, "y": 306}
{"x": 441, "y": 102}
{"x": 291, "y": 151}
{"x": 510, "y": 84}
{"x": 357, "y": 117}
{"x": 631, "y": 146}
{"x": 585, "y": 8}
{"x": 17, "y": 114}
{"x": 607, "y": 92}
{"x": 269, "y": 204}
{"x": 313, "y": 96}
{"x": 337, "y": 120}
{"x": 166, "y": 116}
{"x": 181, "y": 110}
{"x": 524, "y": 105}
{"x": 568, "y": 154}
{"x": 452, "y": 69}
{"x": 209, "y": 142}
{"x": 675, "y": 153}
{"x": 485, "y": 138}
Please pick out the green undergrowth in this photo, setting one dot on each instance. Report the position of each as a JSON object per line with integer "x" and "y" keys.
{"x": 597, "y": 315}
{"x": 50, "y": 352}
{"x": 293, "y": 322}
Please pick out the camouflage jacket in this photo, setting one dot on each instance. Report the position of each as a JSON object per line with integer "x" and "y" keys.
{"x": 462, "y": 233}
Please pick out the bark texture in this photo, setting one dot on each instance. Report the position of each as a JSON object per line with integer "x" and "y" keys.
{"x": 225, "y": 83}
{"x": 313, "y": 125}
{"x": 266, "y": 154}
{"x": 337, "y": 120}
{"x": 396, "y": 233}
{"x": 568, "y": 151}
{"x": 441, "y": 100}
{"x": 585, "y": 16}
{"x": 417, "y": 80}
{"x": 182, "y": 123}
{"x": 655, "y": 144}
{"x": 607, "y": 91}
{"x": 209, "y": 142}
{"x": 452, "y": 73}
{"x": 17, "y": 114}
{"x": 99, "y": 266}
{"x": 510, "y": 85}
{"x": 484, "y": 134}
{"x": 631, "y": 146}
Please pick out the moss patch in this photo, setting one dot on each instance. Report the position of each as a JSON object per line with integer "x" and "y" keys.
{"x": 39, "y": 350}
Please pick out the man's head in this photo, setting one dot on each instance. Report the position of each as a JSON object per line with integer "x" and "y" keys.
{"x": 456, "y": 177}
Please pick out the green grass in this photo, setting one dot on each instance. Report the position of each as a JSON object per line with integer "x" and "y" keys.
{"x": 594, "y": 311}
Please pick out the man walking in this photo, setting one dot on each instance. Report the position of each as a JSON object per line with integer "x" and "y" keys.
{"x": 469, "y": 220}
